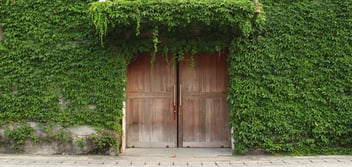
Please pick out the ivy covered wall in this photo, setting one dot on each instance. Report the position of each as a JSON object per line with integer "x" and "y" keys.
{"x": 290, "y": 87}
{"x": 289, "y": 92}
{"x": 53, "y": 68}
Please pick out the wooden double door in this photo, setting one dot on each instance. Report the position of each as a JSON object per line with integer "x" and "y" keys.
{"x": 175, "y": 104}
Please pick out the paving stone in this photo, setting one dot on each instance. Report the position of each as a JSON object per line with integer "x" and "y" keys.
{"x": 105, "y": 161}
{"x": 278, "y": 162}
{"x": 206, "y": 164}
{"x": 343, "y": 160}
{"x": 251, "y": 163}
{"x": 225, "y": 164}
{"x": 330, "y": 160}
{"x": 301, "y": 161}
{"x": 123, "y": 163}
{"x": 316, "y": 160}
{"x": 265, "y": 162}
{"x": 237, "y": 164}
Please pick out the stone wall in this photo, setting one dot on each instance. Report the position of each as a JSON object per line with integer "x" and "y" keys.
{"x": 34, "y": 138}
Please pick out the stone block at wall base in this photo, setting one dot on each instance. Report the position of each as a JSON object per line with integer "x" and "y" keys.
{"x": 54, "y": 140}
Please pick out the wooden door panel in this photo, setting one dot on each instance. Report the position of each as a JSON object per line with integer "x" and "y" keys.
{"x": 150, "y": 91}
{"x": 204, "y": 113}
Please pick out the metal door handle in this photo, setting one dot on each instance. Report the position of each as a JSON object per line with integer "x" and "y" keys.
{"x": 174, "y": 102}
{"x": 180, "y": 97}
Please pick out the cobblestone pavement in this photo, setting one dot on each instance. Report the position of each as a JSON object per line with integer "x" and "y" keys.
{"x": 9, "y": 160}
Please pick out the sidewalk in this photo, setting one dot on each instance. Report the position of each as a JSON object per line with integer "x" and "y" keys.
{"x": 173, "y": 158}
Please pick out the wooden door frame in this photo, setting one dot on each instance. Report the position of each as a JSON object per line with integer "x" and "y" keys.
{"x": 179, "y": 117}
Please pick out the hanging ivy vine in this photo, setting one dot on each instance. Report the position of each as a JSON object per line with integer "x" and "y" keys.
{"x": 177, "y": 27}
